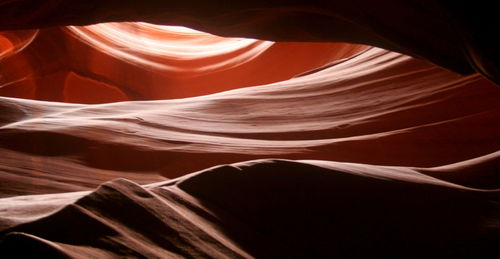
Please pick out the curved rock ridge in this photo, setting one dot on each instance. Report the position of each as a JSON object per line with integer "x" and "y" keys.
{"x": 138, "y": 61}
{"x": 342, "y": 112}
{"x": 363, "y": 129}
{"x": 265, "y": 208}
{"x": 460, "y": 36}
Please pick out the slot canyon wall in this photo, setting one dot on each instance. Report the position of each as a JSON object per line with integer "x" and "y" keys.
{"x": 281, "y": 129}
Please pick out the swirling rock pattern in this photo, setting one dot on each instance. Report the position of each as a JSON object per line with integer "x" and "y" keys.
{"x": 351, "y": 150}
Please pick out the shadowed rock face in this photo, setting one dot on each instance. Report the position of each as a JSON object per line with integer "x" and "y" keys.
{"x": 402, "y": 153}
{"x": 458, "y": 36}
{"x": 267, "y": 208}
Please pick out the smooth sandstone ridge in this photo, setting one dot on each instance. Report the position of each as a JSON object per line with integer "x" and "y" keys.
{"x": 318, "y": 129}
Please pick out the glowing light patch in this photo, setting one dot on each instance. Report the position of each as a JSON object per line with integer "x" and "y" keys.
{"x": 171, "y": 48}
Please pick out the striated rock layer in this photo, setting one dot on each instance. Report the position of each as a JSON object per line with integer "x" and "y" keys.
{"x": 136, "y": 61}
{"x": 461, "y": 36}
{"x": 350, "y": 150}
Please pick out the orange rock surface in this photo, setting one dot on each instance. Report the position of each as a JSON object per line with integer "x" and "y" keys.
{"x": 312, "y": 129}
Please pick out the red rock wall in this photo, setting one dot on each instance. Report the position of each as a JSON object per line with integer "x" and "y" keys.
{"x": 58, "y": 64}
